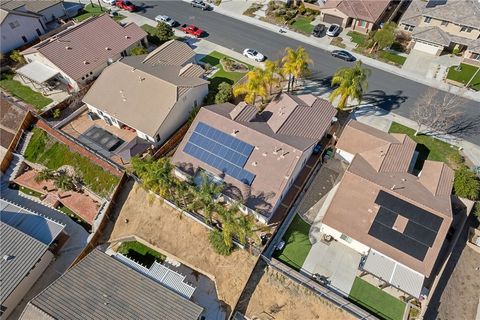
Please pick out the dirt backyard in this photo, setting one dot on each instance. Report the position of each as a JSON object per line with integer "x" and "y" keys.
{"x": 277, "y": 297}
{"x": 180, "y": 237}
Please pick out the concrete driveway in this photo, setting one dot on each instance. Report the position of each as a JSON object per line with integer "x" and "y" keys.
{"x": 429, "y": 65}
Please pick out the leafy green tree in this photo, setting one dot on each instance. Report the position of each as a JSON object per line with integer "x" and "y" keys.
{"x": 45, "y": 174}
{"x": 156, "y": 175}
{"x": 225, "y": 93}
{"x": 352, "y": 84}
{"x": 164, "y": 32}
{"x": 17, "y": 57}
{"x": 466, "y": 183}
{"x": 253, "y": 87}
{"x": 296, "y": 64}
{"x": 216, "y": 240}
{"x": 205, "y": 196}
{"x": 385, "y": 37}
{"x": 138, "y": 51}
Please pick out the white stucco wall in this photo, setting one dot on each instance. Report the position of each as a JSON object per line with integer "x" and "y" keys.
{"x": 53, "y": 12}
{"x": 38, "y": 57}
{"x": 11, "y": 39}
{"x": 21, "y": 290}
{"x": 351, "y": 243}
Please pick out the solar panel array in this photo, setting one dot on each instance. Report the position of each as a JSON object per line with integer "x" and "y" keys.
{"x": 221, "y": 151}
{"x": 420, "y": 232}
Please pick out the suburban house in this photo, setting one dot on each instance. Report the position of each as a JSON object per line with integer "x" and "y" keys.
{"x": 257, "y": 155}
{"x": 102, "y": 287}
{"x": 78, "y": 54}
{"x": 152, "y": 94}
{"x": 26, "y": 250}
{"x": 359, "y": 15}
{"x": 444, "y": 26}
{"x": 49, "y": 10}
{"x": 390, "y": 209}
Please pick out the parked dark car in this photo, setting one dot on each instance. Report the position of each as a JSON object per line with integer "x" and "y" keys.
{"x": 318, "y": 30}
{"x": 200, "y": 4}
{"x": 344, "y": 55}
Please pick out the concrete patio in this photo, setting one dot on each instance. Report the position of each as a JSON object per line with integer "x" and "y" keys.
{"x": 57, "y": 94}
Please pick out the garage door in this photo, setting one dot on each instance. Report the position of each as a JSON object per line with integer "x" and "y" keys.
{"x": 328, "y": 18}
{"x": 425, "y": 47}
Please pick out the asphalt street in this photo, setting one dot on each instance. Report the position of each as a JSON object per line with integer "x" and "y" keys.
{"x": 386, "y": 90}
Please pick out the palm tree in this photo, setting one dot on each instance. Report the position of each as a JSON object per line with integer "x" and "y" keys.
{"x": 272, "y": 75}
{"x": 45, "y": 174}
{"x": 229, "y": 222}
{"x": 253, "y": 87}
{"x": 352, "y": 84}
{"x": 158, "y": 177}
{"x": 205, "y": 196}
{"x": 63, "y": 181}
{"x": 245, "y": 228}
{"x": 296, "y": 65}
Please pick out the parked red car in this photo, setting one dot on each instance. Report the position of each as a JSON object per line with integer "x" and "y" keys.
{"x": 126, "y": 5}
{"x": 191, "y": 29}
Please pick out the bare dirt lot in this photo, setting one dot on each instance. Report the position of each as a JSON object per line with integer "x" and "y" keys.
{"x": 277, "y": 297}
{"x": 182, "y": 238}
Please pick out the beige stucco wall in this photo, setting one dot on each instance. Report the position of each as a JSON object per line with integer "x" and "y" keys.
{"x": 451, "y": 28}
{"x": 354, "y": 244}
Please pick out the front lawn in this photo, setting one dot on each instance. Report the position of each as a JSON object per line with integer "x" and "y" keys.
{"x": 51, "y": 153}
{"x": 24, "y": 93}
{"x": 357, "y": 37}
{"x": 140, "y": 253}
{"x": 392, "y": 57}
{"x": 376, "y": 300}
{"x": 464, "y": 75}
{"x": 303, "y": 25}
{"x": 429, "y": 147}
{"x": 297, "y": 244}
{"x": 95, "y": 10}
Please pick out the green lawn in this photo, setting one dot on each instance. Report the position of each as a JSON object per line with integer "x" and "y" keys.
{"x": 392, "y": 57}
{"x": 74, "y": 217}
{"x": 429, "y": 147}
{"x": 464, "y": 75}
{"x": 24, "y": 93}
{"x": 95, "y": 10}
{"x": 357, "y": 37}
{"x": 303, "y": 25}
{"x": 221, "y": 75}
{"x": 376, "y": 301}
{"x": 30, "y": 192}
{"x": 45, "y": 150}
{"x": 297, "y": 244}
{"x": 140, "y": 253}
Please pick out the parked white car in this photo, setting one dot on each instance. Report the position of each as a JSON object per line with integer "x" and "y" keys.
{"x": 110, "y": 2}
{"x": 253, "y": 54}
{"x": 333, "y": 30}
{"x": 165, "y": 19}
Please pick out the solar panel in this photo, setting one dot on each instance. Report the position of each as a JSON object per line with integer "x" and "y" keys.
{"x": 221, "y": 151}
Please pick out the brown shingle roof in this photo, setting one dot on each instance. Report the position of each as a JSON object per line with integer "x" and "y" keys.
{"x": 88, "y": 45}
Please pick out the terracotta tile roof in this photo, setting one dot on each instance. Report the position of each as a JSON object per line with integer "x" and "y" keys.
{"x": 369, "y": 10}
{"x": 88, "y": 45}
{"x": 437, "y": 177}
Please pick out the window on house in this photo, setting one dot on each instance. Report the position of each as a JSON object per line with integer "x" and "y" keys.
{"x": 14, "y": 24}
{"x": 157, "y": 138}
{"x": 346, "y": 238}
{"x": 38, "y": 32}
{"x": 466, "y": 29}
{"x": 24, "y": 39}
{"x": 475, "y": 56}
{"x": 362, "y": 23}
{"x": 408, "y": 28}
{"x": 2, "y": 309}
{"x": 444, "y": 23}
{"x": 427, "y": 20}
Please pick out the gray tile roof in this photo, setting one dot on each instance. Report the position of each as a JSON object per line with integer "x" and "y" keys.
{"x": 172, "y": 52}
{"x": 432, "y": 35}
{"x": 31, "y": 5}
{"x": 25, "y": 252}
{"x": 100, "y": 287}
{"x": 462, "y": 12}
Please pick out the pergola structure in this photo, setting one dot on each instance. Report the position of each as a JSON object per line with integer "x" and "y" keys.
{"x": 37, "y": 74}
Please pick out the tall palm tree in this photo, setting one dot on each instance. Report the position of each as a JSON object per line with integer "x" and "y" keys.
{"x": 45, "y": 174}
{"x": 245, "y": 228}
{"x": 230, "y": 228}
{"x": 352, "y": 84}
{"x": 253, "y": 87}
{"x": 296, "y": 65}
{"x": 272, "y": 75}
{"x": 205, "y": 196}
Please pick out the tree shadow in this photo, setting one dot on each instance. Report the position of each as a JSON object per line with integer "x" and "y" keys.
{"x": 387, "y": 102}
{"x": 465, "y": 127}
{"x": 252, "y": 283}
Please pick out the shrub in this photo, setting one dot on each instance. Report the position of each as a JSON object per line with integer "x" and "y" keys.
{"x": 138, "y": 51}
{"x": 164, "y": 32}
{"x": 476, "y": 210}
{"x": 216, "y": 240}
{"x": 56, "y": 113}
{"x": 466, "y": 183}
{"x": 224, "y": 94}
{"x": 301, "y": 9}
{"x": 17, "y": 57}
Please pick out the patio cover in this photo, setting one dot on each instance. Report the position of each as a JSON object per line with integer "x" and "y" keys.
{"x": 395, "y": 273}
{"x": 37, "y": 72}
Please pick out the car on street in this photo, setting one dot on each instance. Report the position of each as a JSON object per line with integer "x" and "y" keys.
{"x": 200, "y": 4}
{"x": 192, "y": 30}
{"x": 333, "y": 30}
{"x": 253, "y": 54}
{"x": 318, "y": 30}
{"x": 166, "y": 19}
{"x": 111, "y": 2}
{"x": 344, "y": 55}
{"x": 126, "y": 5}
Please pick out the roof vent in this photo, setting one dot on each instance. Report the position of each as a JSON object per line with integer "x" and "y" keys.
{"x": 133, "y": 69}
{"x": 403, "y": 179}
{"x": 287, "y": 177}
{"x": 234, "y": 132}
{"x": 257, "y": 148}
{"x": 107, "y": 48}
{"x": 254, "y": 163}
{"x": 127, "y": 37}
{"x": 8, "y": 257}
{"x": 68, "y": 48}
{"x": 141, "y": 79}
{"x": 86, "y": 62}
{"x": 277, "y": 150}
{"x": 264, "y": 154}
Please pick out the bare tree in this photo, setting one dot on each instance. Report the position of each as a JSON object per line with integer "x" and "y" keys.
{"x": 436, "y": 112}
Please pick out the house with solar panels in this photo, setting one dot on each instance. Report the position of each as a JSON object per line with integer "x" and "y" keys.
{"x": 27, "y": 241}
{"x": 392, "y": 209}
{"x": 257, "y": 155}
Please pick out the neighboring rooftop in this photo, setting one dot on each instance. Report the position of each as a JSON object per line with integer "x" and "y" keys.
{"x": 15, "y": 7}
{"x": 385, "y": 207}
{"x": 165, "y": 84}
{"x": 77, "y": 52}
{"x": 266, "y": 147}
{"x": 35, "y": 6}
{"x": 11, "y": 118}
{"x": 359, "y": 9}
{"x": 100, "y": 287}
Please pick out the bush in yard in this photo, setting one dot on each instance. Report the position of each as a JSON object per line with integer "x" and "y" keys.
{"x": 476, "y": 210}
{"x": 216, "y": 240}
{"x": 301, "y": 9}
{"x": 466, "y": 183}
{"x": 56, "y": 113}
{"x": 225, "y": 93}
{"x": 164, "y": 32}
{"x": 138, "y": 51}
{"x": 16, "y": 57}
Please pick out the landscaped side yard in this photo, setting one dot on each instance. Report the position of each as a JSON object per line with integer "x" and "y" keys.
{"x": 222, "y": 75}
{"x": 93, "y": 11}
{"x": 357, "y": 37}
{"x": 297, "y": 244}
{"x": 435, "y": 149}
{"x": 46, "y": 150}
{"x": 303, "y": 25}
{"x": 465, "y": 75}
{"x": 24, "y": 93}
{"x": 376, "y": 301}
{"x": 392, "y": 57}
{"x": 140, "y": 253}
